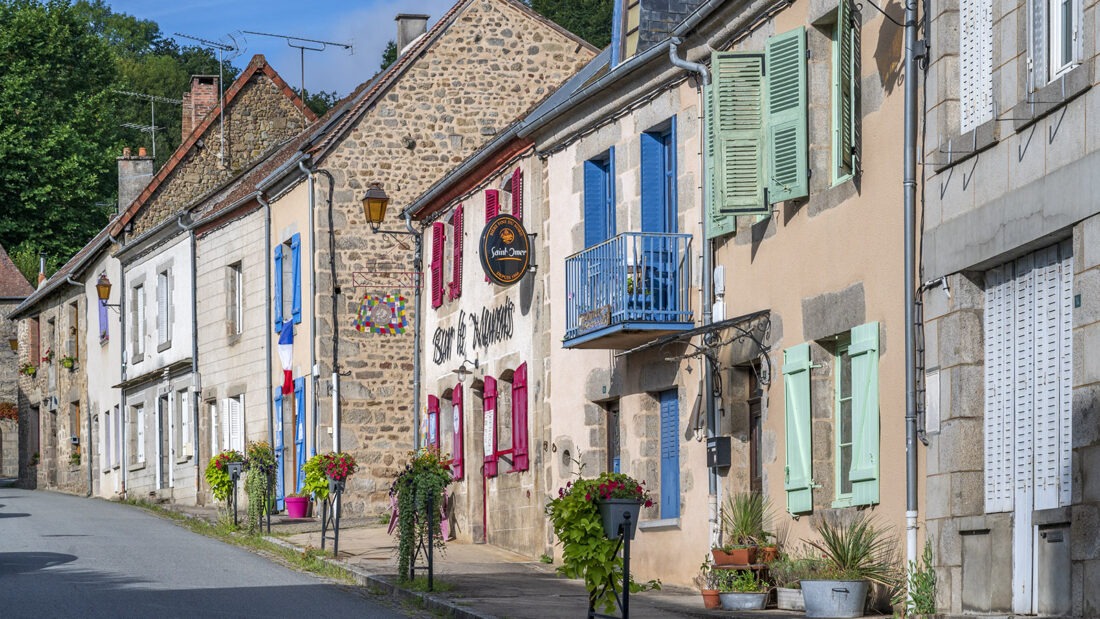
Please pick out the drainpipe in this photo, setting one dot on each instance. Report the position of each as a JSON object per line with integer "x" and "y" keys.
{"x": 122, "y": 361}
{"x": 417, "y": 300}
{"x": 909, "y": 187}
{"x": 267, "y": 328}
{"x": 190, "y": 230}
{"x": 335, "y": 318}
{"x": 708, "y": 277}
{"x": 312, "y": 299}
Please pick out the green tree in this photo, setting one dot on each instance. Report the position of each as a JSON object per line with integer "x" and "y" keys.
{"x": 319, "y": 102}
{"x": 389, "y": 55}
{"x": 588, "y": 19}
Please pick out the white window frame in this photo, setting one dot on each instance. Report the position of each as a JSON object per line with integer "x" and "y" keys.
{"x": 1058, "y": 11}
{"x": 139, "y": 433}
{"x": 164, "y": 307}
{"x": 183, "y": 426}
{"x": 138, "y": 317}
{"x": 236, "y": 298}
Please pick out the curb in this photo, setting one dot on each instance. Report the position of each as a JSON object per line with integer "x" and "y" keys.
{"x": 424, "y": 600}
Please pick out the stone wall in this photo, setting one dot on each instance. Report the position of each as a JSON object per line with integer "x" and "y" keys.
{"x": 9, "y": 448}
{"x": 258, "y": 118}
{"x": 9, "y": 359}
{"x": 493, "y": 63}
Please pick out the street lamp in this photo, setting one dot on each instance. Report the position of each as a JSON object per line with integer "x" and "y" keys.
{"x": 103, "y": 291}
{"x": 375, "y": 202}
{"x": 462, "y": 371}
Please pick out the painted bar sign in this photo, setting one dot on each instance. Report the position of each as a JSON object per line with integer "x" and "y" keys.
{"x": 505, "y": 250}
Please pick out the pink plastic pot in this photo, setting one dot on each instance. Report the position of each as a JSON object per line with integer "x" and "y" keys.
{"x": 296, "y": 506}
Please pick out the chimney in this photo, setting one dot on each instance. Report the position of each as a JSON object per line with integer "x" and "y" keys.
{"x": 409, "y": 28}
{"x": 41, "y": 269}
{"x": 134, "y": 173}
{"x": 197, "y": 103}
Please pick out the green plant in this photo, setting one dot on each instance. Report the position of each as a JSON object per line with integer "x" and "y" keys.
{"x": 68, "y": 362}
{"x": 545, "y": 558}
{"x": 48, "y": 356}
{"x": 708, "y": 576}
{"x": 586, "y": 552}
{"x": 922, "y": 584}
{"x": 788, "y": 571}
{"x": 217, "y": 473}
{"x": 316, "y": 482}
{"x": 739, "y": 581}
{"x": 339, "y": 466}
{"x": 260, "y": 461}
{"x": 425, "y": 477}
{"x": 857, "y": 551}
{"x": 34, "y": 459}
{"x": 28, "y": 370}
{"x": 74, "y": 458}
{"x": 745, "y": 518}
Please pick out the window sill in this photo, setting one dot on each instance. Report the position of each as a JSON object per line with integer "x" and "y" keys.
{"x": 841, "y": 503}
{"x": 136, "y": 467}
{"x": 137, "y": 358}
{"x": 1052, "y": 97}
{"x": 665, "y": 524}
{"x": 164, "y": 346}
{"x": 960, "y": 148}
{"x": 183, "y": 460}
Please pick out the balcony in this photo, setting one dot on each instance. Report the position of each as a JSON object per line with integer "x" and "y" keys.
{"x": 628, "y": 290}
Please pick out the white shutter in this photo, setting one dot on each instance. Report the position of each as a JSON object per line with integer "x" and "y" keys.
{"x": 226, "y": 414}
{"x": 141, "y": 434}
{"x": 162, "y": 309}
{"x": 975, "y": 63}
{"x": 236, "y": 423}
{"x": 215, "y": 428}
{"x": 1065, "y": 373}
{"x": 1047, "y": 321}
{"x": 1037, "y": 45}
{"x": 998, "y": 381}
{"x": 1024, "y": 395}
{"x": 184, "y": 422}
{"x": 106, "y": 429}
{"x": 173, "y": 427}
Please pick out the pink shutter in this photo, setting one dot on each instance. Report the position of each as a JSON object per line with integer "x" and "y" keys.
{"x": 438, "y": 237}
{"x": 459, "y": 421}
{"x": 433, "y": 422}
{"x": 489, "y": 398}
{"x": 517, "y": 194}
{"x": 492, "y": 207}
{"x": 519, "y": 419}
{"x": 456, "y": 263}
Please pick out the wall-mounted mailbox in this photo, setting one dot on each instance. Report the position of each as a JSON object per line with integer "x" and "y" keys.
{"x": 718, "y": 451}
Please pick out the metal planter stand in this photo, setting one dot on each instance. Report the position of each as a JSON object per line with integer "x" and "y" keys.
{"x": 235, "y": 469}
{"x": 330, "y": 515}
{"x": 427, "y": 549}
{"x": 626, "y": 517}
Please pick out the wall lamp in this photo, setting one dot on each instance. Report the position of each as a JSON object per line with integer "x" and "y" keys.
{"x": 462, "y": 371}
{"x": 103, "y": 291}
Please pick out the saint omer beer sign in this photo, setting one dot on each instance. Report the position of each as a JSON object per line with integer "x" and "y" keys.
{"x": 505, "y": 250}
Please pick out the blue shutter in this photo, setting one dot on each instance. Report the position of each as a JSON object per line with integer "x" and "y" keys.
{"x": 798, "y": 480}
{"x": 277, "y": 425}
{"x": 278, "y": 288}
{"x": 670, "y": 454}
{"x": 865, "y": 423}
{"x": 296, "y": 248}
{"x": 595, "y": 225}
{"x": 609, "y": 193}
{"x": 653, "y": 183}
{"x": 300, "y": 432}
{"x": 669, "y": 144}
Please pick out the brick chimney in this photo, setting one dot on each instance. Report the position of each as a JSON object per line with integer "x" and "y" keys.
{"x": 409, "y": 27}
{"x": 197, "y": 103}
{"x": 134, "y": 173}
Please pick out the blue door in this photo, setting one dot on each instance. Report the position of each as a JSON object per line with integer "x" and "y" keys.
{"x": 300, "y": 433}
{"x": 670, "y": 454}
{"x": 277, "y": 424}
{"x": 658, "y": 272}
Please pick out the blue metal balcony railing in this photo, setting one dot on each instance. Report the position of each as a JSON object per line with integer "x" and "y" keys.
{"x": 634, "y": 280}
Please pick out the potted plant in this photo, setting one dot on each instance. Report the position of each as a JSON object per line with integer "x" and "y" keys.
{"x": 786, "y": 573}
{"x": 618, "y": 495}
{"x": 707, "y": 581}
{"x": 742, "y": 590}
{"x": 426, "y": 476}
{"x": 316, "y": 483}
{"x": 586, "y": 551}
{"x": 217, "y": 473}
{"x": 338, "y": 467}
{"x": 852, "y": 556}
{"x": 297, "y": 504}
{"x": 28, "y": 370}
{"x": 260, "y": 464}
{"x": 48, "y": 356}
{"x": 68, "y": 362}
{"x": 745, "y": 517}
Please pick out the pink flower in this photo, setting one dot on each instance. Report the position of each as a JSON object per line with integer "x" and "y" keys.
{"x": 648, "y": 503}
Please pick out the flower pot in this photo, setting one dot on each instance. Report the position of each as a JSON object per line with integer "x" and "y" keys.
{"x": 721, "y": 557}
{"x": 711, "y": 599}
{"x": 335, "y": 486}
{"x": 613, "y": 513}
{"x": 789, "y": 599}
{"x": 834, "y": 598}
{"x": 736, "y": 556}
{"x": 767, "y": 554}
{"x": 743, "y": 601}
{"x": 296, "y": 506}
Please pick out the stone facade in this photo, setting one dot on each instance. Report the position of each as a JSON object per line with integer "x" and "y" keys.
{"x": 490, "y": 63}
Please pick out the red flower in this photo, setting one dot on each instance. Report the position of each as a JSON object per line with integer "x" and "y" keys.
{"x": 648, "y": 503}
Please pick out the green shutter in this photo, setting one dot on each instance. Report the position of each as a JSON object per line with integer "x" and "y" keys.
{"x": 718, "y": 223}
{"x": 865, "y": 437}
{"x": 788, "y": 160}
{"x": 845, "y": 91}
{"x": 799, "y": 471}
{"x": 738, "y": 106}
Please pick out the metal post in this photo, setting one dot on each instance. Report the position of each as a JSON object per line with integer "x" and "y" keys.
{"x": 624, "y": 532}
{"x": 909, "y": 185}
{"x": 430, "y": 540}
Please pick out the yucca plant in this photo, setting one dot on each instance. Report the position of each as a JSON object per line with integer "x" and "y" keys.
{"x": 745, "y": 518}
{"x": 859, "y": 551}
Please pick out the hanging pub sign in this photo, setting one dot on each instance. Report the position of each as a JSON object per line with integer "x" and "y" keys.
{"x": 505, "y": 250}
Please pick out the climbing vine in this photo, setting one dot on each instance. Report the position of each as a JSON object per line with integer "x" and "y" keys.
{"x": 426, "y": 475}
{"x": 260, "y": 463}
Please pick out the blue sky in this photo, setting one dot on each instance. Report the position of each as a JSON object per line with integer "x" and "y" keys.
{"x": 365, "y": 24}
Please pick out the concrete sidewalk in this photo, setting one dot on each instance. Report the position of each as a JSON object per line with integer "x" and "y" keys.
{"x": 479, "y": 580}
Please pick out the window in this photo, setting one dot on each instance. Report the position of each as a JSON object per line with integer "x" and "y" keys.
{"x": 137, "y": 433}
{"x": 489, "y": 426}
{"x": 33, "y": 336}
{"x": 288, "y": 282}
{"x": 431, "y": 437}
{"x": 74, "y": 426}
{"x": 632, "y": 18}
{"x": 670, "y": 454}
{"x": 976, "y": 63}
{"x": 108, "y": 429}
{"x": 181, "y": 423}
{"x": 845, "y": 92}
{"x": 234, "y": 299}
{"x": 757, "y": 138}
{"x": 1028, "y": 374}
{"x": 72, "y": 344}
{"x": 439, "y": 238}
{"x": 599, "y": 199}
{"x": 614, "y": 463}
{"x": 1063, "y": 35}
{"x": 457, "y": 224}
{"x": 233, "y": 420}
{"x": 459, "y": 444}
{"x": 104, "y": 324}
{"x": 842, "y": 372}
{"x": 164, "y": 307}
{"x": 137, "y": 321}
{"x": 658, "y": 179}
{"x": 215, "y": 427}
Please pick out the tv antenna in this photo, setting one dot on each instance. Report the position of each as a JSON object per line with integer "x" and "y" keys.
{"x": 303, "y": 45}
{"x": 222, "y": 48}
{"x": 152, "y": 127}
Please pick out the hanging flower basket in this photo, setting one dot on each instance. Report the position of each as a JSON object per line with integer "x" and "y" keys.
{"x": 614, "y": 514}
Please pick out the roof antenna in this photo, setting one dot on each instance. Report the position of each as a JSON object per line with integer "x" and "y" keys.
{"x": 222, "y": 48}
{"x": 152, "y": 127}
{"x": 303, "y": 45}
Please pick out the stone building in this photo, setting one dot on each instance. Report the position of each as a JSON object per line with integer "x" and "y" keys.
{"x": 453, "y": 88}
{"x": 1011, "y": 372}
{"x": 14, "y": 288}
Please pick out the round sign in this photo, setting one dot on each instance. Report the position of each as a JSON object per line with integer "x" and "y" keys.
{"x": 505, "y": 250}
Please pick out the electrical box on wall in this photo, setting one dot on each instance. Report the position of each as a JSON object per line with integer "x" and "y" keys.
{"x": 718, "y": 451}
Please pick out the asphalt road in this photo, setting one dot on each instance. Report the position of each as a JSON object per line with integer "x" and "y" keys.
{"x": 64, "y": 556}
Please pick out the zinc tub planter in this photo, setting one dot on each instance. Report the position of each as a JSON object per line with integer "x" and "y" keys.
{"x": 789, "y": 599}
{"x": 743, "y": 601}
{"x": 841, "y": 599}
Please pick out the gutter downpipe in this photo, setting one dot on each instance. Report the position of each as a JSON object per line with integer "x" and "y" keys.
{"x": 195, "y": 378}
{"x": 417, "y": 301}
{"x": 313, "y": 378}
{"x": 123, "y": 359}
{"x": 708, "y": 278}
{"x": 909, "y": 185}
{"x": 69, "y": 280}
{"x": 267, "y": 326}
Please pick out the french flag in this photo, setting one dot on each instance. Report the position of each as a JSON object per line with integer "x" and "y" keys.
{"x": 286, "y": 355}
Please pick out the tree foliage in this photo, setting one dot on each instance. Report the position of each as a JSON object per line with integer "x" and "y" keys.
{"x": 320, "y": 102}
{"x": 389, "y": 55}
{"x": 588, "y": 19}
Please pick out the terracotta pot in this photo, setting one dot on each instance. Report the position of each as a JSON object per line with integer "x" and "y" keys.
{"x": 722, "y": 557}
{"x": 767, "y": 554}
{"x": 711, "y": 599}
{"x": 736, "y": 556}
